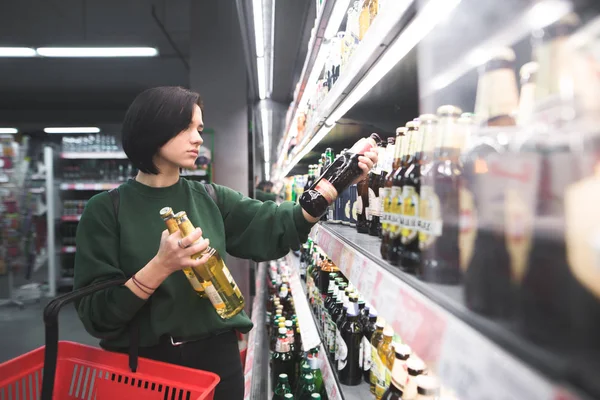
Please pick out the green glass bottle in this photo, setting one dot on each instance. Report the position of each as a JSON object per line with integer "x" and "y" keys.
{"x": 304, "y": 372}
{"x": 282, "y": 361}
{"x": 315, "y": 370}
{"x": 307, "y": 389}
{"x": 282, "y": 388}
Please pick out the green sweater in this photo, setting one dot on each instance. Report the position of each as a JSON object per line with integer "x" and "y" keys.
{"x": 238, "y": 225}
{"x": 265, "y": 196}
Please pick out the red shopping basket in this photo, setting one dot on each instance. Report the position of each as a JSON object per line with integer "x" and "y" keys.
{"x": 67, "y": 370}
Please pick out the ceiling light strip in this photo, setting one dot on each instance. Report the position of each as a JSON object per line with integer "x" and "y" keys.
{"x": 9, "y": 131}
{"x": 83, "y": 129}
{"x": 17, "y": 52}
{"x": 91, "y": 52}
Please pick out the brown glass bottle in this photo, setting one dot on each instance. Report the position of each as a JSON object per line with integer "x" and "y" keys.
{"x": 440, "y": 211}
{"x": 410, "y": 258}
{"x": 375, "y": 184}
{"x": 336, "y": 177}
{"x": 396, "y": 207}
{"x": 387, "y": 194}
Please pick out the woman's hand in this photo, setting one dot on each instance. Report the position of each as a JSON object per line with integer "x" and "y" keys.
{"x": 175, "y": 251}
{"x": 366, "y": 161}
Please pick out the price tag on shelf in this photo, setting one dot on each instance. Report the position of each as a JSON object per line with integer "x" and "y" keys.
{"x": 346, "y": 260}
{"x": 78, "y": 186}
{"x": 356, "y": 272}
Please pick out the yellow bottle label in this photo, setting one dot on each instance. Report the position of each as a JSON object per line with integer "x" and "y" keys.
{"x": 395, "y": 208}
{"x": 410, "y": 213}
{"x": 387, "y": 202}
{"x": 374, "y": 365}
{"x": 430, "y": 217}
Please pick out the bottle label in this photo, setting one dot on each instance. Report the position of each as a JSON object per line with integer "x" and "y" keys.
{"x": 342, "y": 351}
{"x": 327, "y": 190}
{"x": 348, "y": 210}
{"x": 582, "y": 232}
{"x": 365, "y": 347}
{"x": 191, "y": 276}
{"x": 410, "y": 214}
{"x": 395, "y": 211}
{"x": 374, "y": 365}
{"x": 282, "y": 346}
{"x": 386, "y": 201}
{"x": 430, "y": 221}
{"x": 467, "y": 224}
{"x": 380, "y": 372}
{"x": 213, "y": 296}
{"x": 357, "y": 209}
{"x": 374, "y": 203}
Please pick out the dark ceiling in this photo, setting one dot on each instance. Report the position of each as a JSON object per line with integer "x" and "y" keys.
{"x": 97, "y": 91}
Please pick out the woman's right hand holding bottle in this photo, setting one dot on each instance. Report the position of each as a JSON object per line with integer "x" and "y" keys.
{"x": 175, "y": 252}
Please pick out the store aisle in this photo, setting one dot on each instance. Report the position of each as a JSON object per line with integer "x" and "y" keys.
{"x": 23, "y": 330}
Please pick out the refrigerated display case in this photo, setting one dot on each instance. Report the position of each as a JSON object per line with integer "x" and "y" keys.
{"x": 494, "y": 280}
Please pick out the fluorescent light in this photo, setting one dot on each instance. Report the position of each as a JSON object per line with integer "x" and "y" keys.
{"x": 8, "y": 131}
{"x": 264, "y": 119}
{"x": 85, "y": 129}
{"x": 272, "y": 47}
{"x": 337, "y": 16}
{"x": 260, "y": 71}
{"x": 97, "y": 51}
{"x": 433, "y": 13}
{"x": 267, "y": 171}
{"x": 259, "y": 35}
{"x": 17, "y": 52}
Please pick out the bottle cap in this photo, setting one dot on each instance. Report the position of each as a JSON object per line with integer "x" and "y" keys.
{"x": 309, "y": 378}
{"x": 288, "y": 396}
{"x": 288, "y": 324}
{"x": 401, "y": 130}
{"x": 388, "y": 331}
{"x": 315, "y": 396}
{"x": 449, "y": 111}
{"x": 306, "y": 369}
{"x": 402, "y": 351}
{"x": 415, "y": 366}
{"x": 282, "y": 331}
{"x": 283, "y": 377}
{"x": 380, "y": 323}
{"x": 428, "y": 385}
{"x": 428, "y": 118}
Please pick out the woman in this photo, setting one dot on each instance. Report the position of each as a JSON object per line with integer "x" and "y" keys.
{"x": 162, "y": 134}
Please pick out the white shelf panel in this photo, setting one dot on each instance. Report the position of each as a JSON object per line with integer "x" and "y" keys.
{"x": 89, "y": 186}
{"x": 465, "y": 360}
{"x": 96, "y": 155}
{"x": 70, "y": 218}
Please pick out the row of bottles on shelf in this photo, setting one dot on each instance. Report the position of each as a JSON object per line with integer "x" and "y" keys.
{"x": 360, "y": 16}
{"x": 293, "y": 371}
{"x": 98, "y": 170}
{"x": 502, "y": 200}
{"x": 73, "y": 207}
{"x": 361, "y": 347}
{"x": 90, "y": 143}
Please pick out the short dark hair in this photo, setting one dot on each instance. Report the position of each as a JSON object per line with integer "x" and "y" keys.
{"x": 156, "y": 116}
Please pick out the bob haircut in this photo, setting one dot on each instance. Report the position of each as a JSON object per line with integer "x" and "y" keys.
{"x": 156, "y": 116}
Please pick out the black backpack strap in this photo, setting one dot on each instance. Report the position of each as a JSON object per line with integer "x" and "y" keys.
{"x": 211, "y": 192}
{"x": 134, "y": 326}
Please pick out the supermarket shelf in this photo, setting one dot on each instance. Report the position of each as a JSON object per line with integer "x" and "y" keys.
{"x": 37, "y": 190}
{"x": 68, "y": 250}
{"x": 308, "y": 324}
{"x": 96, "y": 155}
{"x": 89, "y": 186}
{"x": 380, "y": 35}
{"x": 314, "y": 47}
{"x": 473, "y": 355}
{"x": 70, "y": 218}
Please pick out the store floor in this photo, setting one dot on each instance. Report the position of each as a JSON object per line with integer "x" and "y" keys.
{"x": 22, "y": 330}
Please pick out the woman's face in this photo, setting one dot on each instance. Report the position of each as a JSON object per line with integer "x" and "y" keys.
{"x": 182, "y": 150}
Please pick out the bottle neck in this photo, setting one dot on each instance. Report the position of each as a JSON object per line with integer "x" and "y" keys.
{"x": 450, "y": 139}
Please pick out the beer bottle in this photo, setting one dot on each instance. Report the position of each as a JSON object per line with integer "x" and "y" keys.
{"x": 349, "y": 369}
{"x": 304, "y": 372}
{"x": 168, "y": 216}
{"x": 375, "y": 341}
{"x": 336, "y": 177}
{"x": 415, "y": 368}
{"x": 368, "y": 331}
{"x": 315, "y": 370}
{"x": 362, "y": 223}
{"x": 399, "y": 374}
{"x": 385, "y": 361}
{"x": 282, "y": 388}
{"x": 282, "y": 361}
{"x": 374, "y": 210}
{"x": 440, "y": 211}
{"x": 224, "y": 294}
{"x": 428, "y": 388}
{"x": 386, "y": 197}
{"x": 397, "y": 207}
{"x": 410, "y": 258}
{"x": 307, "y": 389}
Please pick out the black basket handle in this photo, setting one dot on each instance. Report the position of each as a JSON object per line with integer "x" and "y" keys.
{"x": 51, "y": 322}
